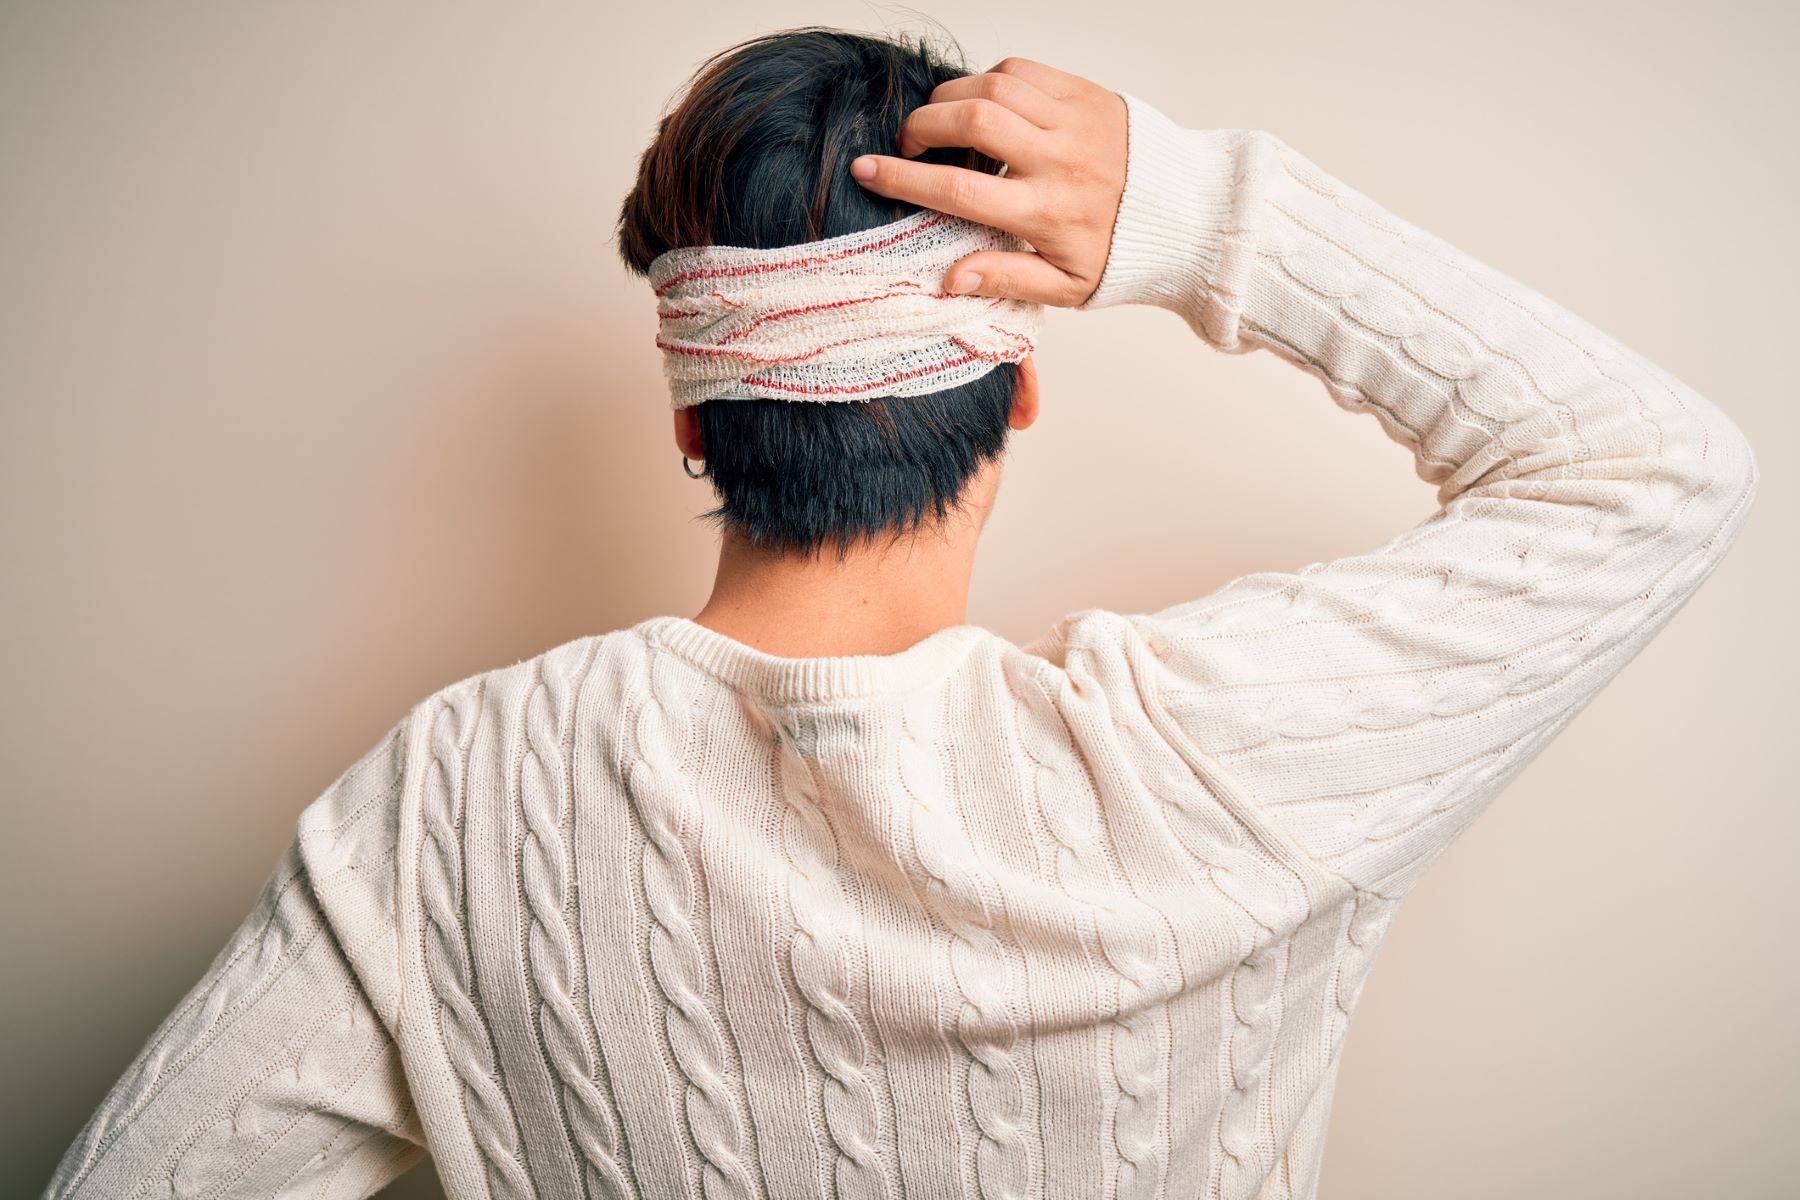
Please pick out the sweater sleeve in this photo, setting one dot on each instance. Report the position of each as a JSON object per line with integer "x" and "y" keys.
{"x": 277, "y": 1075}
{"x": 1373, "y": 705}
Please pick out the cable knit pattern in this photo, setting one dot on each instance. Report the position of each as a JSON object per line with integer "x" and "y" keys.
{"x": 468, "y": 1043}
{"x": 1126, "y": 932}
{"x": 1266, "y": 904}
{"x": 1585, "y": 493}
{"x": 241, "y": 971}
{"x": 661, "y": 797}
{"x": 275, "y": 1075}
{"x": 956, "y": 891}
{"x": 820, "y": 962}
{"x": 593, "y": 1128}
{"x": 1367, "y": 920}
{"x": 223, "y": 1151}
{"x": 656, "y": 913}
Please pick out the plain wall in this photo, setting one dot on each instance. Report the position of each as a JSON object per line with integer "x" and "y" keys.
{"x": 323, "y": 388}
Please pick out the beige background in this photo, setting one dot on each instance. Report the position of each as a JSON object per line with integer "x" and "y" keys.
{"x": 323, "y": 388}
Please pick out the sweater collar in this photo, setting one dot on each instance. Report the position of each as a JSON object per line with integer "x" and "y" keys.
{"x": 805, "y": 680}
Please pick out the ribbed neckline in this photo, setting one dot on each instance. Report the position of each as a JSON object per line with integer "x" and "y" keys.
{"x": 802, "y": 680}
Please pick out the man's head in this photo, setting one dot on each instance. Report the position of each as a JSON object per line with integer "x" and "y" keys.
{"x": 756, "y": 153}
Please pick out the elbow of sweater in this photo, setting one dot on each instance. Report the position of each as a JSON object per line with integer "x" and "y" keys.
{"x": 1655, "y": 453}
{"x": 1734, "y": 475}
{"x": 1714, "y": 465}
{"x": 1700, "y": 487}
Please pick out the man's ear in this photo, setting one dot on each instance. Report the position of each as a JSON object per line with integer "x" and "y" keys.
{"x": 1025, "y": 395}
{"x": 687, "y": 433}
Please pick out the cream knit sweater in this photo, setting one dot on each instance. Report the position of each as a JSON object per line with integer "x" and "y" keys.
{"x": 656, "y": 914}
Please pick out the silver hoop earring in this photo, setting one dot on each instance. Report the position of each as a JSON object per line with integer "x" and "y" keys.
{"x": 691, "y": 474}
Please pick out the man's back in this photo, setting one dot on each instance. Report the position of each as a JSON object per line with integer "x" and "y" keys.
{"x": 960, "y": 921}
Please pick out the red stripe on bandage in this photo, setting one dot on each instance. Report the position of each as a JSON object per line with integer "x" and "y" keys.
{"x": 713, "y": 352}
{"x": 802, "y": 311}
{"x": 973, "y": 354}
{"x": 806, "y": 261}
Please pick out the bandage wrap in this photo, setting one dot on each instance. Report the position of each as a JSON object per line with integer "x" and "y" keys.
{"x": 847, "y": 318}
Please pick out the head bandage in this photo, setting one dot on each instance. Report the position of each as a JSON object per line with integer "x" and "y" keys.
{"x": 846, "y": 318}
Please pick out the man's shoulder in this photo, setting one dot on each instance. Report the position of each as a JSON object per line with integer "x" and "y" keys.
{"x": 591, "y": 658}
{"x": 1093, "y": 633}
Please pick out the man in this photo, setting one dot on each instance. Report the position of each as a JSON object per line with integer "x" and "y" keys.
{"x": 823, "y": 892}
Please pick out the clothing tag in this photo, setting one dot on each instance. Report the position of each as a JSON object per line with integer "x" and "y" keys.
{"x": 815, "y": 731}
{"x": 800, "y": 731}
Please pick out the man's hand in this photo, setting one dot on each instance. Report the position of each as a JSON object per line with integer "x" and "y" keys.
{"x": 1062, "y": 139}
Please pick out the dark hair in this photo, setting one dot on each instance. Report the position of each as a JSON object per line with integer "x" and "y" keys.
{"x": 757, "y": 153}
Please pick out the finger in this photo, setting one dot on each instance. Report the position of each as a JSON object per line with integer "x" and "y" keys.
{"x": 1017, "y": 275}
{"x": 1003, "y": 203}
{"x": 1060, "y": 84}
{"x": 1014, "y": 91}
{"x": 992, "y": 128}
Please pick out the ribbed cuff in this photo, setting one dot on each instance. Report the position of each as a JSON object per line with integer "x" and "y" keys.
{"x": 1173, "y": 215}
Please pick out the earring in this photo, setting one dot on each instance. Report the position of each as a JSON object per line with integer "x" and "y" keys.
{"x": 691, "y": 473}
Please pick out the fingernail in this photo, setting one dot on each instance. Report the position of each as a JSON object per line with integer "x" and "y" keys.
{"x": 863, "y": 168}
{"x": 967, "y": 282}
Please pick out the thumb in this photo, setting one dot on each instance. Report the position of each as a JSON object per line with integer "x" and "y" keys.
{"x": 1016, "y": 275}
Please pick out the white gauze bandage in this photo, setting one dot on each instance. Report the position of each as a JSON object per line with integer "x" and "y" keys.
{"x": 846, "y": 318}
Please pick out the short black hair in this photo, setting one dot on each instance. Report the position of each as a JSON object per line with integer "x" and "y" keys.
{"x": 756, "y": 152}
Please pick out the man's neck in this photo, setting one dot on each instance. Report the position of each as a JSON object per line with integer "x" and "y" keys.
{"x": 880, "y": 598}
